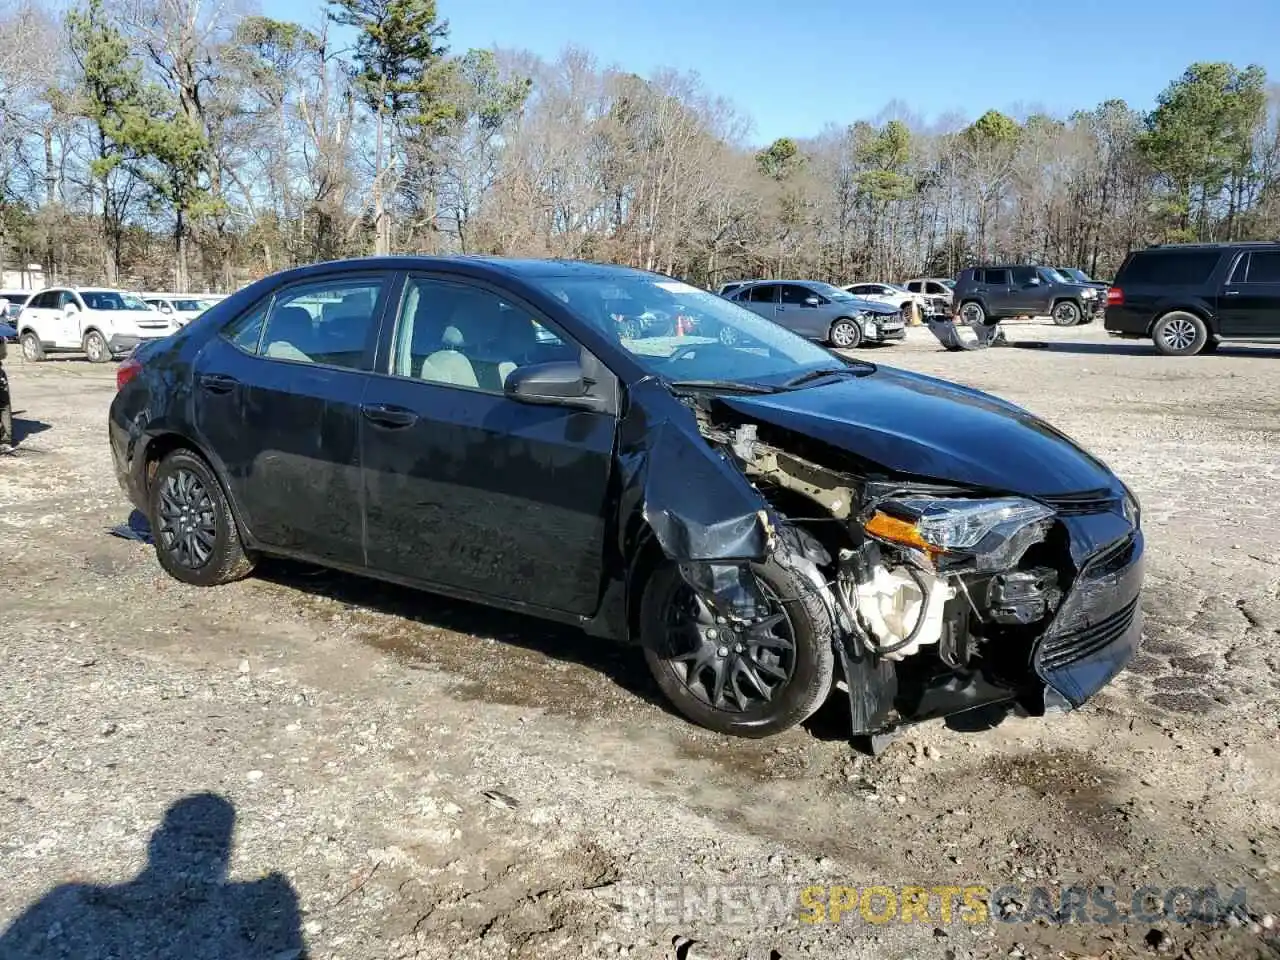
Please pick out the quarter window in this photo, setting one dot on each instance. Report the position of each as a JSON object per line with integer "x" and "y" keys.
{"x": 330, "y": 322}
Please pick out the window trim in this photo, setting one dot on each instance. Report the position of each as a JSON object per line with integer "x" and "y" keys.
{"x": 385, "y": 354}
{"x": 389, "y": 279}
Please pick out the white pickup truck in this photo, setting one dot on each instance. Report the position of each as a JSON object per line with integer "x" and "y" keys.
{"x": 102, "y": 323}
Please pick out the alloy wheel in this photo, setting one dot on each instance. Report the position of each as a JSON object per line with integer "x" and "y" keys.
{"x": 1179, "y": 333}
{"x": 187, "y": 528}
{"x": 972, "y": 313}
{"x": 1066, "y": 314}
{"x": 30, "y": 348}
{"x": 730, "y": 667}
{"x": 95, "y": 348}
{"x": 844, "y": 334}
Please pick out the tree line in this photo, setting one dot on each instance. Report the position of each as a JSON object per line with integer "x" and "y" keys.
{"x": 179, "y": 144}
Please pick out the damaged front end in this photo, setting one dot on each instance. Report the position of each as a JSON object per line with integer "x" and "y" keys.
{"x": 941, "y": 598}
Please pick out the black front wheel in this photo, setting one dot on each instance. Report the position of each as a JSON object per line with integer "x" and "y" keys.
{"x": 196, "y": 537}
{"x": 748, "y": 681}
{"x": 1066, "y": 313}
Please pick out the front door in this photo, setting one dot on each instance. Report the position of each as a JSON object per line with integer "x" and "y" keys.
{"x": 1250, "y": 302}
{"x": 277, "y": 400}
{"x": 1026, "y": 292}
{"x": 466, "y": 488}
{"x": 799, "y": 314}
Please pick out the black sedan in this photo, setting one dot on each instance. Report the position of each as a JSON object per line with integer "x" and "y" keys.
{"x": 763, "y": 517}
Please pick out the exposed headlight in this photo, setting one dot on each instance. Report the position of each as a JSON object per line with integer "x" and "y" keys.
{"x": 1088, "y": 294}
{"x": 938, "y": 526}
{"x": 1132, "y": 508}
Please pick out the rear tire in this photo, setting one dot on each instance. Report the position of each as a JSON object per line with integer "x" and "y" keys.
{"x": 845, "y": 334}
{"x": 1179, "y": 334}
{"x": 196, "y": 537}
{"x": 96, "y": 348}
{"x": 32, "y": 348}
{"x": 973, "y": 313}
{"x": 688, "y": 680}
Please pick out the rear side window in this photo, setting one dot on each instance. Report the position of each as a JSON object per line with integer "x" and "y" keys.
{"x": 765, "y": 293}
{"x": 329, "y": 322}
{"x": 1169, "y": 267}
{"x": 914, "y": 286}
{"x": 999, "y": 278}
{"x": 1264, "y": 267}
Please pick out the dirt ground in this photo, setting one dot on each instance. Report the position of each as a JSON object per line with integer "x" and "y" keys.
{"x": 415, "y": 777}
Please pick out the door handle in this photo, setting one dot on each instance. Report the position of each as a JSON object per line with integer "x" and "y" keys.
{"x": 1231, "y": 293}
{"x": 218, "y": 382}
{"x": 385, "y": 415}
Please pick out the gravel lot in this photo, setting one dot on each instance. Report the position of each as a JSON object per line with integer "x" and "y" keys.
{"x": 352, "y": 731}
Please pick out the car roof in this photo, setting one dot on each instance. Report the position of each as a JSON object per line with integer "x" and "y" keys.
{"x": 514, "y": 266}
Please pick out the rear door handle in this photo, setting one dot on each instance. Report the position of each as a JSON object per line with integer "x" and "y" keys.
{"x": 385, "y": 415}
{"x": 1231, "y": 293}
{"x": 218, "y": 382}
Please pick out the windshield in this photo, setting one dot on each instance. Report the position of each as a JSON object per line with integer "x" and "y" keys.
{"x": 1056, "y": 276}
{"x": 1073, "y": 274}
{"x": 949, "y": 284}
{"x": 110, "y": 300}
{"x": 189, "y": 305}
{"x": 682, "y": 333}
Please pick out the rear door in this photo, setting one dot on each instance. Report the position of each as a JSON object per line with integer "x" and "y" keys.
{"x": 466, "y": 488}
{"x": 995, "y": 288}
{"x": 1249, "y": 305}
{"x": 761, "y": 299}
{"x": 277, "y": 401}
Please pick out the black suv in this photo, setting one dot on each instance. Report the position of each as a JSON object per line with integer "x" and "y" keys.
{"x": 987, "y": 294}
{"x": 1188, "y": 298}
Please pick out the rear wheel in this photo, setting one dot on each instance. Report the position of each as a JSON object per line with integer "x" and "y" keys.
{"x": 845, "y": 334}
{"x": 1180, "y": 334}
{"x": 32, "y": 348}
{"x": 196, "y": 537}
{"x": 973, "y": 313}
{"x": 1066, "y": 313}
{"x": 95, "y": 347}
{"x": 750, "y": 682}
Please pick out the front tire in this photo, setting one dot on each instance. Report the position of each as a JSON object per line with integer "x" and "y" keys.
{"x": 752, "y": 682}
{"x": 1066, "y": 313}
{"x": 32, "y": 348}
{"x": 845, "y": 334}
{"x": 196, "y": 537}
{"x": 96, "y": 348}
{"x": 1179, "y": 334}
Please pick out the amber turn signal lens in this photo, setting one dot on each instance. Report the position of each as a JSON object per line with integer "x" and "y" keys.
{"x": 898, "y": 531}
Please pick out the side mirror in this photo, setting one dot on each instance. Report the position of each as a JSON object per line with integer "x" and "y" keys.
{"x": 811, "y": 301}
{"x": 1034, "y": 281}
{"x": 165, "y": 308}
{"x": 70, "y": 308}
{"x": 558, "y": 382}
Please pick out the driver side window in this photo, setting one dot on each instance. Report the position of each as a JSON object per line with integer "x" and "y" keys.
{"x": 452, "y": 333}
{"x": 796, "y": 295}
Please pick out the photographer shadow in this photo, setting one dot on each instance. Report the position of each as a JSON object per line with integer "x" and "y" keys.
{"x": 182, "y": 904}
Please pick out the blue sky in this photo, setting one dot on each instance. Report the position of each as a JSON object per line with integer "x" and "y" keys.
{"x": 792, "y": 67}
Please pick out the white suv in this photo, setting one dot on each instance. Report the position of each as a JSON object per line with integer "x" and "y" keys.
{"x": 102, "y": 323}
{"x": 183, "y": 308}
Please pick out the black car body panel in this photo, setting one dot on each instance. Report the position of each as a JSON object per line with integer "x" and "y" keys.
{"x": 914, "y": 425}
{"x": 563, "y": 509}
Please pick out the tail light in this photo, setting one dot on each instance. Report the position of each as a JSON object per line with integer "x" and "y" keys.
{"x": 127, "y": 371}
{"x": 1115, "y": 297}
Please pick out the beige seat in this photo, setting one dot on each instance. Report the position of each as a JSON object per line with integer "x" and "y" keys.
{"x": 286, "y": 329}
{"x": 450, "y": 365}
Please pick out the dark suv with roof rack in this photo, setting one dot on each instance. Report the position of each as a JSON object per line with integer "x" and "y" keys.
{"x": 1189, "y": 298}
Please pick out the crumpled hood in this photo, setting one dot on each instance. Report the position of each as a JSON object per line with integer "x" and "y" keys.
{"x": 873, "y": 306}
{"x": 932, "y": 429}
